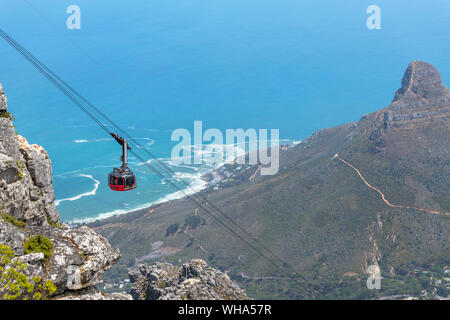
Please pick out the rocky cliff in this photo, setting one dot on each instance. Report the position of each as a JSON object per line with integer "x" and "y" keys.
{"x": 73, "y": 260}
{"x": 193, "y": 281}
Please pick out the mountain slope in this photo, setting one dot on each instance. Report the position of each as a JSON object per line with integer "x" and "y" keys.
{"x": 317, "y": 213}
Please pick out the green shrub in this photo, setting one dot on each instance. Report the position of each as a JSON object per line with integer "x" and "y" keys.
{"x": 15, "y": 285}
{"x": 51, "y": 223}
{"x": 39, "y": 244}
{"x": 192, "y": 221}
{"x": 172, "y": 229}
{"x": 54, "y": 224}
{"x": 7, "y": 115}
{"x": 10, "y": 219}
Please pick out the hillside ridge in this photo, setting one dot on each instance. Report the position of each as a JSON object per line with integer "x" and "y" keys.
{"x": 383, "y": 197}
{"x": 314, "y": 213}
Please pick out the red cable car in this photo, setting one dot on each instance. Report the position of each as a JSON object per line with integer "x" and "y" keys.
{"x": 122, "y": 179}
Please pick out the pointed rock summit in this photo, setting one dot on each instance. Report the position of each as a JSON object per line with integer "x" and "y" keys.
{"x": 422, "y": 96}
{"x": 421, "y": 81}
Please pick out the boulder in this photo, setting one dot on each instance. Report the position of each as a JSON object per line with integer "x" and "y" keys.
{"x": 193, "y": 281}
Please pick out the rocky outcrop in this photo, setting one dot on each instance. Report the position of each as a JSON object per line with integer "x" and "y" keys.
{"x": 422, "y": 80}
{"x": 26, "y": 190}
{"x": 79, "y": 256}
{"x": 193, "y": 281}
{"x": 421, "y": 96}
{"x": 3, "y": 106}
{"x": 92, "y": 293}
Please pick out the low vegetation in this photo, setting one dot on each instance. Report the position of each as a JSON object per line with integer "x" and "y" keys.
{"x": 15, "y": 285}
{"x": 172, "y": 229}
{"x": 51, "y": 223}
{"x": 18, "y": 223}
{"x": 192, "y": 221}
{"x": 39, "y": 243}
{"x": 7, "y": 115}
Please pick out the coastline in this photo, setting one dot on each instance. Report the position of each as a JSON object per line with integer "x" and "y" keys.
{"x": 221, "y": 177}
{"x": 145, "y": 207}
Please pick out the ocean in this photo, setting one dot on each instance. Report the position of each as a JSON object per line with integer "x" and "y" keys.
{"x": 155, "y": 66}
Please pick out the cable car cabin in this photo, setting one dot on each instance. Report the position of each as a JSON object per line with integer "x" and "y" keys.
{"x": 121, "y": 181}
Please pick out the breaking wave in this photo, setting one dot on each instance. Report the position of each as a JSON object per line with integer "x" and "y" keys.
{"x": 86, "y": 194}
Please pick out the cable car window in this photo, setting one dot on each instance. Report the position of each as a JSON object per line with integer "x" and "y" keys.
{"x": 130, "y": 181}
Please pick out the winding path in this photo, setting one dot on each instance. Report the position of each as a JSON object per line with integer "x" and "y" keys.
{"x": 383, "y": 197}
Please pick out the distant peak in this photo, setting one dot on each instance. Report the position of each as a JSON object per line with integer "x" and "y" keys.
{"x": 421, "y": 80}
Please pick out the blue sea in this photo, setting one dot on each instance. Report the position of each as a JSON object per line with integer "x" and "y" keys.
{"x": 155, "y": 66}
